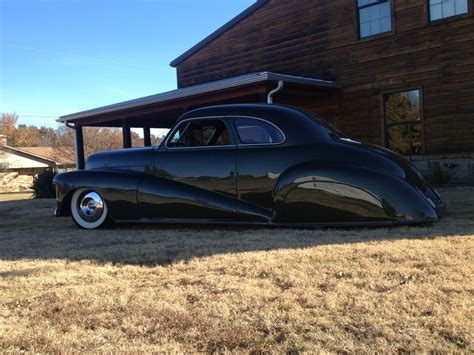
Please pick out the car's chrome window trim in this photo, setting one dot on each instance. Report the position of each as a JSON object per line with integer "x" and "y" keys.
{"x": 188, "y": 120}
{"x": 257, "y": 144}
{"x": 223, "y": 118}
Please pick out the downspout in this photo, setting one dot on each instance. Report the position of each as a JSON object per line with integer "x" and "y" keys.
{"x": 275, "y": 91}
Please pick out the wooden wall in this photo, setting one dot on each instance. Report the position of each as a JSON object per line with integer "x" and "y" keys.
{"x": 320, "y": 39}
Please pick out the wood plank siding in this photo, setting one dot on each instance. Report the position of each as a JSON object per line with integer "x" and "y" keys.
{"x": 320, "y": 39}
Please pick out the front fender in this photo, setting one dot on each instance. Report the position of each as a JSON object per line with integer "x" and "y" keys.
{"x": 118, "y": 188}
{"x": 314, "y": 193}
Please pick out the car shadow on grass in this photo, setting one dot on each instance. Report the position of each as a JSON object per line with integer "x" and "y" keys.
{"x": 29, "y": 231}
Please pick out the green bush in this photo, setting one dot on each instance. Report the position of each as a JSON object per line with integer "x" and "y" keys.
{"x": 43, "y": 184}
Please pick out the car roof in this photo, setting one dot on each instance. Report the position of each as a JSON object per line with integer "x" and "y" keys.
{"x": 239, "y": 109}
{"x": 299, "y": 127}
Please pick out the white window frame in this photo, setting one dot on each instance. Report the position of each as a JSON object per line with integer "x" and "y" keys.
{"x": 443, "y": 17}
{"x": 368, "y": 6}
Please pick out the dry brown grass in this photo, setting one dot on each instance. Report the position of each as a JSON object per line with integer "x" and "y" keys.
{"x": 16, "y": 196}
{"x": 236, "y": 289}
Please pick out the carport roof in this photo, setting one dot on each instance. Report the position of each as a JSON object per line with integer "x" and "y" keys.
{"x": 237, "y": 82}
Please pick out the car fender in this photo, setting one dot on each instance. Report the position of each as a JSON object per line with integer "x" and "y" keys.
{"x": 117, "y": 187}
{"x": 314, "y": 192}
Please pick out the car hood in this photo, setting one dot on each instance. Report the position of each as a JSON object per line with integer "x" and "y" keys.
{"x": 124, "y": 158}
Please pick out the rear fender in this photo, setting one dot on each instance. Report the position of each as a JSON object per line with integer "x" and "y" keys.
{"x": 313, "y": 193}
{"x": 118, "y": 188}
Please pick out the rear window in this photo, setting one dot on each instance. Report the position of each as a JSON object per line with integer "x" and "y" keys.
{"x": 253, "y": 131}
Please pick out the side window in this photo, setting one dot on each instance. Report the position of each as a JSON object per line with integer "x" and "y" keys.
{"x": 178, "y": 135}
{"x": 200, "y": 133}
{"x": 441, "y": 9}
{"x": 375, "y": 17}
{"x": 403, "y": 125}
{"x": 252, "y": 131}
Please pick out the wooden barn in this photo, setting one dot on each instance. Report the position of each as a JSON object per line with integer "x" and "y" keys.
{"x": 397, "y": 73}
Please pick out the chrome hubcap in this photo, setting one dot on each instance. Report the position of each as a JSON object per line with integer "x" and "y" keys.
{"x": 91, "y": 207}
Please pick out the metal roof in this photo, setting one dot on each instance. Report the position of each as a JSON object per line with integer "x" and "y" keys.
{"x": 27, "y": 155}
{"x": 243, "y": 15}
{"x": 190, "y": 91}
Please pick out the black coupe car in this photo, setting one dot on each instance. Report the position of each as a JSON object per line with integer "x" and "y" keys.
{"x": 252, "y": 164}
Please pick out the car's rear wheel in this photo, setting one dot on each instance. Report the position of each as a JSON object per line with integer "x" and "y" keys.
{"x": 88, "y": 209}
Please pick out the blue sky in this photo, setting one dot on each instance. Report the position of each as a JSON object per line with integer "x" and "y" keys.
{"x": 63, "y": 56}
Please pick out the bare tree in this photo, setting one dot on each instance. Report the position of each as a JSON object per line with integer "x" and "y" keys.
{"x": 8, "y": 122}
{"x": 95, "y": 139}
{"x": 27, "y": 136}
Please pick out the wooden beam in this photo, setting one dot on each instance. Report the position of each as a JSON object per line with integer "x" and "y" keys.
{"x": 79, "y": 140}
{"x": 127, "y": 135}
{"x": 147, "y": 136}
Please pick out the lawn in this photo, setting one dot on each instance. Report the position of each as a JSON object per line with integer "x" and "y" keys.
{"x": 148, "y": 288}
{"x": 15, "y": 196}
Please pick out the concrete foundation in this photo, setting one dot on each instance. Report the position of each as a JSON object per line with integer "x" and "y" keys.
{"x": 456, "y": 168}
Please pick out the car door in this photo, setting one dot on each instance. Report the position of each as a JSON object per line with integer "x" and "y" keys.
{"x": 261, "y": 158}
{"x": 194, "y": 174}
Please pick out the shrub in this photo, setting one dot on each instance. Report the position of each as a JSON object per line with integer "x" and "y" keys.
{"x": 43, "y": 184}
{"x": 440, "y": 176}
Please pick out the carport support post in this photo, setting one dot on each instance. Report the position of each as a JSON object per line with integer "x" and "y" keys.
{"x": 127, "y": 136}
{"x": 147, "y": 136}
{"x": 79, "y": 140}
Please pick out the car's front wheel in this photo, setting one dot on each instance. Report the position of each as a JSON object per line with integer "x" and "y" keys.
{"x": 88, "y": 209}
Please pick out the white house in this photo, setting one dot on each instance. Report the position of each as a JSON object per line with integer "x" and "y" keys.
{"x": 18, "y": 165}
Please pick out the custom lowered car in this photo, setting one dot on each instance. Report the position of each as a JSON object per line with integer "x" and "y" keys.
{"x": 252, "y": 164}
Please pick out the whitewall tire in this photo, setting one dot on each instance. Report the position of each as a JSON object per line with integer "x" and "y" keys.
{"x": 88, "y": 209}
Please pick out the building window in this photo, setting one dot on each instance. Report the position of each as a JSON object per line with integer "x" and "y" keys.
{"x": 441, "y": 9}
{"x": 375, "y": 17}
{"x": 403, "y": 127}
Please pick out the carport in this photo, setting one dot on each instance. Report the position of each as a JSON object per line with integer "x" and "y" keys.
{"x": 162, "y": 110}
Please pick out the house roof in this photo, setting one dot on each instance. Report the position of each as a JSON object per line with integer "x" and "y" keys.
{"x": 48, "y": 155}
{"x": 230, "y": 83}
{"x": 243, "y": 15}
